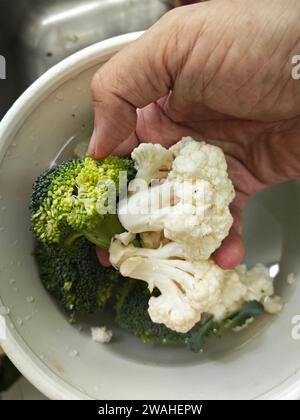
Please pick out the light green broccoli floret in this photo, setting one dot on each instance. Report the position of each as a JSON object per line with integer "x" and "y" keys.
{"x": 71, "y": 200}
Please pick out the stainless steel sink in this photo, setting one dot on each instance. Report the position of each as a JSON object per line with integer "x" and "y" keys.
{"x": 36, "y": 34}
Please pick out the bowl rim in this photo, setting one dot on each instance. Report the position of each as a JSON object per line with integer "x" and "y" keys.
{"x": 28, "y": 363}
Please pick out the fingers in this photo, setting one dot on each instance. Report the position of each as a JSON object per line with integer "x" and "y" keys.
{"x": 103, "y": 257}
{"x": 231, "y": 252}
{"x": 132, "y": 79}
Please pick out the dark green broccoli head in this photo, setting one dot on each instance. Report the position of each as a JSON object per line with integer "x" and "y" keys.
{"x": 131, "y": 309}
{"x": 132, "y": 314}
{"x": 71, "y": 200}
{"x": 74, "y": 276}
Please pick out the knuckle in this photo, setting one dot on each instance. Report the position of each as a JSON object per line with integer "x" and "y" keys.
{"x": 97, "y": 84}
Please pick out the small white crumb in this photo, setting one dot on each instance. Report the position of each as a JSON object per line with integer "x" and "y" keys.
{"x": 101, "y": 334}
{"x": 19, "y": 321}
{"x": 245, "y": 325}
{"x": 291, "y": 278}
{"x": 73, "y": 353}
{"x": 72, "y": 37}
{"x": 272, "y": 305}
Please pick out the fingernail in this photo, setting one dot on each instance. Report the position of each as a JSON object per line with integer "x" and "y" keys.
{"x": 92, "y": 145}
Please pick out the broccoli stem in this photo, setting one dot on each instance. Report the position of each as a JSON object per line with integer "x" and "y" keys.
{"x": 105, "y": 231}
{"x": 102, "y": 234}
{"x": 72, "y": 238}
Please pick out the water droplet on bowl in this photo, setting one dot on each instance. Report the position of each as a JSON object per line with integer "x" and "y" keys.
{"x": 59, "y": 96}
{"x": 73, "y": 353}
{"x": 30, "y": 299}
{"x": 12, "y": 281}
{"x": 4, "y": 310}
{"x": 19, "y": 321}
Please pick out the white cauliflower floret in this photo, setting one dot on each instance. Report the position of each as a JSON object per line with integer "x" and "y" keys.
{"x": 191, "y": 206}
{"x": 182, "y": 220}
{"x": 188, "y": 288}
{"x": 146, "y": 210}
{"x": 101, "y": 335}
{"x": 152, "y": 161}
{"x": 172, "y": 307}
{"x": 272, "y": 304}
{"x": 199, "y": 160}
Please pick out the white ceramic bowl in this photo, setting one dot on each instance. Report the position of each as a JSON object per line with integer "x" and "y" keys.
{"x": 261, "y": 362}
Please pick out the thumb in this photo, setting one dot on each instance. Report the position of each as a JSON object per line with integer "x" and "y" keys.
{"x": 133, "y": 78}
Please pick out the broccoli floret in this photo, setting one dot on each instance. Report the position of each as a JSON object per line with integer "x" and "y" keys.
{"x": 131, "y": 310}
{"x": 131, "y": 313}
{"x": 71, "y": 200}
{"x": 74, "y": 276}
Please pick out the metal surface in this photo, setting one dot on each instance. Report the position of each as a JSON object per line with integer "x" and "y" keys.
{"x": 36, "y": 34}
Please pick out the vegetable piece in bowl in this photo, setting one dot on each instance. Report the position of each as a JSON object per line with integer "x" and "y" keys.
{"x": 75, "y": 278}
{"x": 131, "y": 310}
{"x": 182, "y": 220}
{"x": 69, "y": 201}
{"x": 189, "y": 288}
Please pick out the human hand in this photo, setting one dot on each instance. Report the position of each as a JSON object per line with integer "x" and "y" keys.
{"x": 221, "y": 72}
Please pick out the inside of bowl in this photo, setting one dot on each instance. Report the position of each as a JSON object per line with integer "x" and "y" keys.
{"x": 244, "y": 365}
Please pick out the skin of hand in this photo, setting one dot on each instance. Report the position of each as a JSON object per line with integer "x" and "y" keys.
{"x": 220, "y": 71}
